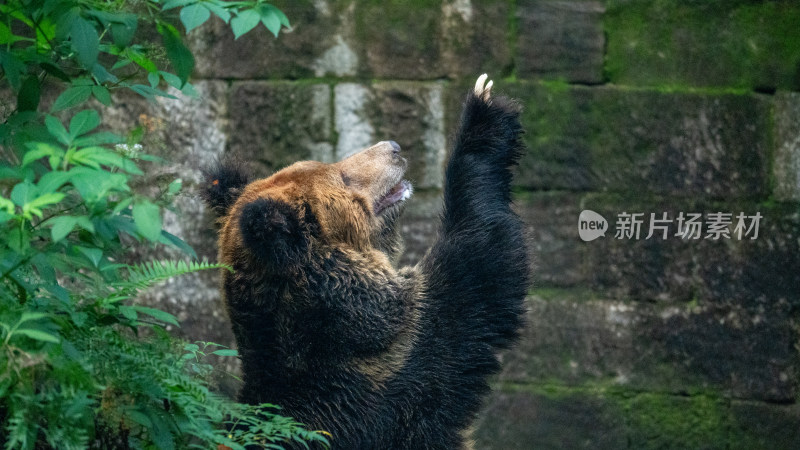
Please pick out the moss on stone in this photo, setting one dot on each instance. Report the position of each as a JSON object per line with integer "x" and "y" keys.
{"x": 578, "y": 294}
{"x": 710, "y": 43}
{"x": 659, "y": 421}
{"x": 643, "y": 420}
{"x": 643, "y": 140}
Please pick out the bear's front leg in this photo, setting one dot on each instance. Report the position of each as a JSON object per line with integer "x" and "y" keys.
{"x": 478, "y": 268}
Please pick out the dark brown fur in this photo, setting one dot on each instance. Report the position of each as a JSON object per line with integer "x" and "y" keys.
{"x": 329, "y": 329}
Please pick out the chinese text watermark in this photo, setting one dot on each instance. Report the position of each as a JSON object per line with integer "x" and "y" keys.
{"x": 635, "y": 226}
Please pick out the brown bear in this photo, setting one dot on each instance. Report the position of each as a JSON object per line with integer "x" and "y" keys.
{"x": 330, "y": 330}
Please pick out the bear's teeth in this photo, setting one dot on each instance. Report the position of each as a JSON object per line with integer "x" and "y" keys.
{"x": 399, "y": 192}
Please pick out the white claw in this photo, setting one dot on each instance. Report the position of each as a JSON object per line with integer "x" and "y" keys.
{"x": 482, "y": 88}
{"x": 479, "y": 84}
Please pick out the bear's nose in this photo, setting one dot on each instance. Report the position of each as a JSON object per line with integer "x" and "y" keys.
{"x": 395, "y": 146}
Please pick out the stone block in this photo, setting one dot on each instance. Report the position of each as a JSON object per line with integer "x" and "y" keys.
{"x": 576, "y": 338}
{"x": 519, "y": 419}
{"x": 764, "y": 426}
{"x": 556, "y": 253}
{"x": 419, "y": 225}
{"x": 560, "y": 40}
{"x": 340, "y": 38}
{"x": 572, "y": 338}
{"x": 407, "y": 112}
{"x": 642, "y": 265}
{"x": 752, "y": 45}
{"x": 524, "y": 416}
{"x": 274, "y": 124}
{"x": 746, "y": 354}
{"x": 189, "y": 133}
{"x": 612, "y": 139}
{"x": 786, "y": 165}
{"x": 433, "y": 39}
{"x": 320, "y": 43}
{"x": 755, "y": 273}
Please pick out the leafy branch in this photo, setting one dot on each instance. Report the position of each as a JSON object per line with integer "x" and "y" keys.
{"x": 82, "y": 362}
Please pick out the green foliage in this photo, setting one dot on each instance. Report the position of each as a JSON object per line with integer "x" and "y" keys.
{"x": 82, "y": 364}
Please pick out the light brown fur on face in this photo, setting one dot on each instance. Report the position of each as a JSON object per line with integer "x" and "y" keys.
{"x": 343, "y": 197}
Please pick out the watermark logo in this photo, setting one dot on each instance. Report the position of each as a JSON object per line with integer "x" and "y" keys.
{"x": 687, "y": 226}
{"x": 591, "y": 225}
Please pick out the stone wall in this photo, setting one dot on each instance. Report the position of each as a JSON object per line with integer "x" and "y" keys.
{"x": 634, "y": 106}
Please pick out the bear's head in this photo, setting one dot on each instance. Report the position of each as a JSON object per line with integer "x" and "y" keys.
{"x": 310, "y": 207}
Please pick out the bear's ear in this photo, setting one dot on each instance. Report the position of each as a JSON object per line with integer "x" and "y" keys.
{"x": 276, "y": 232}
{"x": 224, "y": 183}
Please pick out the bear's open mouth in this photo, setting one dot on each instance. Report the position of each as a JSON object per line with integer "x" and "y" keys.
{"x": 398, "y": 193}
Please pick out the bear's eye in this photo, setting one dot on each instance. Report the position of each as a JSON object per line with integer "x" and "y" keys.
{"x": 346, "y": 180}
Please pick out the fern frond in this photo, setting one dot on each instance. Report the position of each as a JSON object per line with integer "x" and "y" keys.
{"x": 142, "y": 276}
{"x": 20, "y": 433}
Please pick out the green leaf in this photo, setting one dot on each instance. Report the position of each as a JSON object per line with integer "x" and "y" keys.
{"x": 124, "y": 30}
{"x": 19, "y": 240}
{"x": 6, "y": 36}
{"x": 141, "y": 59}
{"x": 94, "y": 254}
{"x": 180, "y": 244}
{"x": 85, "y": 41}
{"x": 23, "y": 193}
{"x": 189, "y": 91}
{"x": 101, "y": 138}
{"x": 71, "y": 97}
{"x": 225, "y": 352}
{"x": 51, "y": 181}
{"x": 97, "y": 156}
{"x": 169, "y": 4}
{"x": 175, "y": 186}
{"x": 55, "y": 71}
{"x": 191, "y": 347}
{"x": 7, "y": 208}
{"x": 284, "y": 20}
{"x": 124, "y": 203}
{"x": 270, "y": 19}
{"x": 12, "y": 67}
{"x": 147, "y": 217}
{"x": 44, "y": 200}
{"x": 101, "y": 94}
{"x": 40, "y": 150}
{"x": 28, "y": 316}
{"x": 244, "y": 21}
{"x": 139, "y": 417}
{"x": 45, "y": 269}
{"x": 83, "y": 122}
{"x": 150, "y": 92}
{"x": 38, "y": 335}
{"x": 64, "y": 22}
{"x": 102, "y": 75}
{"x": 193, "y": 16}
{"x": 171, "y": 79}
{"x": 94, "y": 184}
{"x": 62, "y": 226}
{"x": 158, "y": 315}
{"x": 221, "y": 12}
{"x": 85, "y": 223}
{"x": 29, "y": 94}
{"x": 57, "y": 130}
{"x": 180, "y": 56}
{"x": 129, "y": 312}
